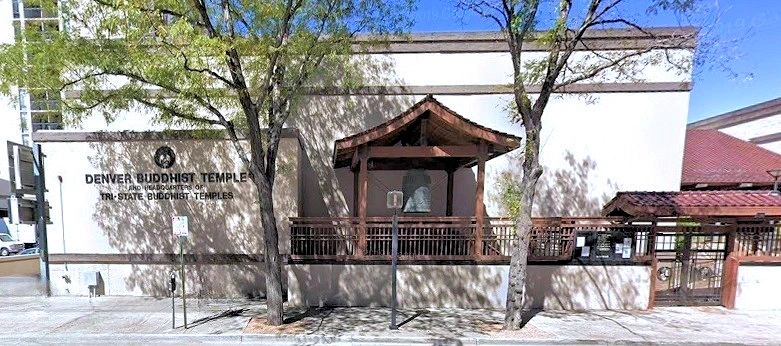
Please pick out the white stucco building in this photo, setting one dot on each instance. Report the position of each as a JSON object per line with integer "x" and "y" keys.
{"x": 112, "y": 200}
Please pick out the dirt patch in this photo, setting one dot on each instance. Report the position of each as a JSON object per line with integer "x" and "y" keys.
{"x": 527, "y": 332}
{"x": 258, "y": 325}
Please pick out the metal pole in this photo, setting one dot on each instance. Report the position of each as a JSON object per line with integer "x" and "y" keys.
{"x": 173, "y": 299}
{"x": 40, "y": 187}
{"x": 394, "y": 259}
{"x": 184, "y": 292}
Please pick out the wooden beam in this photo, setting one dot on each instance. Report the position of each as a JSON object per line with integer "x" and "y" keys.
{"x": 355, "y": 161}
{"x": 740, "y": 116}
{"x": 424, "y": 132}
{"x": 773, "y": 137}
{"x": 449, "y": 207}
{"x": 731, "y": 211}
{"x": 137, "y": 136}
{"x": 763, "y": 259}
{"x": 430, "y": 164}
{"x": 424, "y": 151}
{"x": 479, "y": 195}
{"x": 153, "y": 258}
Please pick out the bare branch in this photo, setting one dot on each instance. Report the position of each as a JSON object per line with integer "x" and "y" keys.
{"x": 280, "y": 39}
{"x": 479, "y": 7}
{"x": 207, "y": 71}
{"x": 175, "y": 112}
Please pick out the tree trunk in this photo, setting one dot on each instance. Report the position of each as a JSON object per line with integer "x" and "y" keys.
{"x": 516, "y": 291}
{"x": 272, "y": 259}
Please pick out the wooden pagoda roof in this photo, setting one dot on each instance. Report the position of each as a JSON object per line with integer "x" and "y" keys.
{"x": 432, "y": 135}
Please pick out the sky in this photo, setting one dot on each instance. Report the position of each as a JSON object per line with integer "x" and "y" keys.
{"x": 742, "y": 66}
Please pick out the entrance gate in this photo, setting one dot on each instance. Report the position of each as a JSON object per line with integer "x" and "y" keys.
{"x": 689, "y": 266}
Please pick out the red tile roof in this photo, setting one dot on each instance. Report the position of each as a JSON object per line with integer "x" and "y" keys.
{"x": 694, "y": 203}
{"x": 714, "y": 158}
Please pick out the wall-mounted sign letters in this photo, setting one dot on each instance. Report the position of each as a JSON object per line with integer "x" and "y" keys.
{"x": 165, "y": 186}
{"x": 135, "y": 186}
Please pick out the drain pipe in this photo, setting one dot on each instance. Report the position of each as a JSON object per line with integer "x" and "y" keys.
{"x": 62, "y": 219}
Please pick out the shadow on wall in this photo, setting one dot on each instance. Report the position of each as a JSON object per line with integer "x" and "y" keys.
{"x": 223, "y": 216}
{"x": 556, "y": 287}
{"x": 324, "y": 119}
{"x": 467, "y": 286}
{"x": 588, "y": 287}
{"x": 564, "y": 192}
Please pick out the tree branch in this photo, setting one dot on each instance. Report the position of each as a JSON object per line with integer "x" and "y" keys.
{"x": 175, "y": 112}
{"x": 157, "y": 10}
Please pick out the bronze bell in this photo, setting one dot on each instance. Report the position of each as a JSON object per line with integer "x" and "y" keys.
{"x": 416, "y": 191}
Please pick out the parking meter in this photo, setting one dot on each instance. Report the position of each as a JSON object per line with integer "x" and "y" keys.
{"x": 172, "y": 285}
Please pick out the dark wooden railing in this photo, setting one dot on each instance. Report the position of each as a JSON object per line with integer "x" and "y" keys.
{"x": 551, "y": 240}
{"x": 451, "y": 238}
{"x": 758, "y": 240}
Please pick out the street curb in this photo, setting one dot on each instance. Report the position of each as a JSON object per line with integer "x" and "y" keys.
{"x": 272, "y": 339}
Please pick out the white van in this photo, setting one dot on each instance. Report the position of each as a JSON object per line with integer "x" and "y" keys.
{"x": 9, "y": 246}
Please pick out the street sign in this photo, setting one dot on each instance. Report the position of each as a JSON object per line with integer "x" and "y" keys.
{"x": 24, "y": 211}
{"x": 21, "y": 167}
{"x": 180, "y": 226}
{"x": 13, "y": 207}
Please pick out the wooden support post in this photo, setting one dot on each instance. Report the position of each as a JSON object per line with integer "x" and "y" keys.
{"x": 363, "y": 191}
{"x": 449, "y": 207}
{"x": 729, "y": 282}
{"x": 654, "y": 264}
{"x": 686, "y": 265}
{"x": 356, "y": 196}
{"x": 479, "y": 205}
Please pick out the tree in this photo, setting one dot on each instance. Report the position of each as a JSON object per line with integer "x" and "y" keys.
{"x": 237, "y": 65}
{"x": 553, "y": 26}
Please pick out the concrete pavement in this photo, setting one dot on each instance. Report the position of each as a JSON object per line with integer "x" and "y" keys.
{"x": 133, "y": 320}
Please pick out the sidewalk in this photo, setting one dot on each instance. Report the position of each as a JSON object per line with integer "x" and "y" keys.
{"x": 132, "y": 320}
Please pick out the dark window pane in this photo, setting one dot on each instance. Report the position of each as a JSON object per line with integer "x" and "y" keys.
{"x": 47, "y": 120}
{"x": 32, "y": 12}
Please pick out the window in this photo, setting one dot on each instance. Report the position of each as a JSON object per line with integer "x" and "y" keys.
{"x": 37, "y": 26}
{"x": 15, "y": 5}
